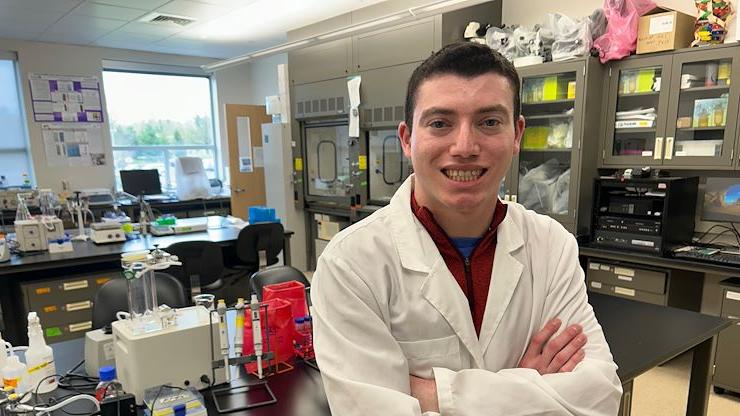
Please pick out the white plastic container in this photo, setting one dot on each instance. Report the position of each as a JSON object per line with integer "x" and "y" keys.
{"x": 14, "y": 373}
{"x": 3, "y": 353}
{"x": 39, "y": 358}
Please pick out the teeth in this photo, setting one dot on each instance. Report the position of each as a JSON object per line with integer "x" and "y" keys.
{"x": 463, "y": 175}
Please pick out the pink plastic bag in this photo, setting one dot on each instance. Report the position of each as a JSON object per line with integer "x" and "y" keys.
{"x": 281, "y": 331}
{"x": 620, "y": 38}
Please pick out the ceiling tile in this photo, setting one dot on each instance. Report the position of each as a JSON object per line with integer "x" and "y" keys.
{"x": 12, "y": 33}
{"x": 109, "y": 12}
{"x": 151, "y": 28}
{"x": 79, "y": 38}
{"x": 73, "y": 23}
{"x": 47, "y": 5}
{"x": 200, "y": 11}
{"x": 135, "y": 4}
{"x": 20, "y": 14}
{"x": 129, "y": 38}
{"x": 11, "y": 25}
{"x": 231, "y": 3}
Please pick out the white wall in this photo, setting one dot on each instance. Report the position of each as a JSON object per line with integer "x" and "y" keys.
{"x": 59, "y": 59}
{"x": 518, "y": 12}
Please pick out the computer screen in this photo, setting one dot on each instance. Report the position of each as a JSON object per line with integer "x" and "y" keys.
{"x": 722, "y": 200}
{"x": 138, "y": 182}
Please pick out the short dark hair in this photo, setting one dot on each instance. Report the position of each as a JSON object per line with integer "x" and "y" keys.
{"x": 465, "y": 59}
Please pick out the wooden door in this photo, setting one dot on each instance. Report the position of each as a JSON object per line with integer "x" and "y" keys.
{"x": 247, "y": 188}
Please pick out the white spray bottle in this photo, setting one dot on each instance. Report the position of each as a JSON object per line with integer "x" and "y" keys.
{"x": 3, "y": 353}
{"x": 39, "y": 358}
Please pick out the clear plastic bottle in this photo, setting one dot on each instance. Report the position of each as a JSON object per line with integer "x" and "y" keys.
{"x": 109, "y": 386}
{"x": 3, "y": 354}
{"x": 39, "y": 358}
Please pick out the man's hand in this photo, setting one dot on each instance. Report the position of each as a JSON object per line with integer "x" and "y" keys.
{"x": 425, "y": 391}
{"x": 560, "y": 354}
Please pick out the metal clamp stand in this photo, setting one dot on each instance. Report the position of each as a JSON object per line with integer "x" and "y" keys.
{"x": 228, "y": 391}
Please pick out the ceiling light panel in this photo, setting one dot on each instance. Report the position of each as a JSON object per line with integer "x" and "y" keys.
{"x": 135, "y": 4}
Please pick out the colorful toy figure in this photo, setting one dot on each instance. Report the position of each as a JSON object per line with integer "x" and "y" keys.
{"x": 711, "y": 20}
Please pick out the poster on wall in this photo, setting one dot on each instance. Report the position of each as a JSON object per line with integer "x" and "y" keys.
{"x": 73, "y": 144}
{"x": 66, "y": 98}
{"x": 244, "y": 138}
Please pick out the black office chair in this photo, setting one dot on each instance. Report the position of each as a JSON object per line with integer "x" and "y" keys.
{"x": 202, "y": 266}
{"x": 258, "y": 245}
{"x": 113, "y": 297}
{"x": 277, "y": 274}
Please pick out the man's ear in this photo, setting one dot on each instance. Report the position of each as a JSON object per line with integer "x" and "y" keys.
{"x": 518, "y": 133}
{"x": 404, "y": 134}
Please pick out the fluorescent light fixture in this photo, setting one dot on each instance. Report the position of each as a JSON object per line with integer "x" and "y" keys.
{"x": 281, "y": 48}
{"x": 362, "y": 26}
{"x": 436, "y": 6}
{"x": 402, "y": 16}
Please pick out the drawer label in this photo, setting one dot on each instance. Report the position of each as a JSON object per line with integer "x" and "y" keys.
{"x": 732, "y": 295}
{"x": 82, "y": 326}
{"x": 624, "y": 291}
{"x": 594, "y": 266}
{"x": 625, "y": 278}
{"x": 80, "y": 284}
{"x": 102, "y": 280}
{"x": 53, "y": 331}
{"x": 604, "y": 267}
{"x": 597, "y": 285}
{"x": 643, "y": 243}
{"x": 78, "y": 306}
{"x": 50, "y": 309}
{"x": 624, "y": 271}
{"x": 43, "y": 290}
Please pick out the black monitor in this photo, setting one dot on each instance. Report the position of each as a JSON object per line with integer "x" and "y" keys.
{"x": 722, "y": 200}
{"x": 138, "y": 182}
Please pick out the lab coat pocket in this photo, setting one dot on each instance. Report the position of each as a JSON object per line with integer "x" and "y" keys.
{"x": 424, "y": 354}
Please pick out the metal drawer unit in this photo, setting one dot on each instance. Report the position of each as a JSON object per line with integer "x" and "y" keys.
{"x": 726, "y": 363}
{"x": 657, "y": 286}
{"x": 64, "y": 305}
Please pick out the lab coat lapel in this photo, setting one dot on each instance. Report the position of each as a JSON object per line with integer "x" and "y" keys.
{"x": 507, "y": 269}
{"x": 441, "y": 290}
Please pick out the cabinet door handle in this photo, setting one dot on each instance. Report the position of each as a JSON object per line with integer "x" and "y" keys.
{"x": 668, "y": 148}
{"x": 658, "y": 153}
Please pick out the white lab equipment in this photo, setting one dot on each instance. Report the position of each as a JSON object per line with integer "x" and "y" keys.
{"x": 98, "y": 350}
{"x": 106, "y": 232}
{"x": 192, "y": 182}
{"x": 39, "y": 358}
{"x": 4, "y": 253}
{"x": 223, "y": 331}
{"x": 3, "y": 355}
{"x": 178, "y": 354}
{"x": 78, "y": 207}
{"x": 239, "y": 335}
{"x": 14, "y": 374}
{"x": 34, "y": 234}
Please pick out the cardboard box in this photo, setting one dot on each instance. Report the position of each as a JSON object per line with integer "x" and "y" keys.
{"x": 663, "y": 29}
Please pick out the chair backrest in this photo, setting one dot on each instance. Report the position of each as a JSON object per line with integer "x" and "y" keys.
{"x": 262, "y": 237}
{"x": 201, "y": 258}
{"x": 113, "y": 297}
{"x": 278, "y": 274}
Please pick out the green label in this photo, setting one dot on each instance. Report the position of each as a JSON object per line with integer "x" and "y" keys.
{"x": 129, "y": 274}
{"x": 53, "y": 331}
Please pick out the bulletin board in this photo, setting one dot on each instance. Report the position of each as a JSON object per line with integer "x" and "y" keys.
{"x": 65, "y": 98}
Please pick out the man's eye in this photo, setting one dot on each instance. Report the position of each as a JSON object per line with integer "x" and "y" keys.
{"x": 437, "y": 124}
{"x": 491, "y": 122}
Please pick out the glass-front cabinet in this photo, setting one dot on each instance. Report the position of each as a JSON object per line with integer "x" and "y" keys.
{"x": 551, "y": 105}
{"x": 672, "y": 110}
{"x": 387, "y": 166}
{"x": 701, "y": 87}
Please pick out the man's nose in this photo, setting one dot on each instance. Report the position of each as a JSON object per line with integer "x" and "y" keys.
{"x": 465, "y": 143}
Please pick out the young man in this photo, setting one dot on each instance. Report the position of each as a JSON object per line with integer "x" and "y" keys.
{"x": 448, "y": 300}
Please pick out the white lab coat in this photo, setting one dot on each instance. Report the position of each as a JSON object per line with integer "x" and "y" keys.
{"x": 386, "y": 306}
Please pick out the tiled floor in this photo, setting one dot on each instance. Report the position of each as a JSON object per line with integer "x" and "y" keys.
{"x": 663, "y": 391}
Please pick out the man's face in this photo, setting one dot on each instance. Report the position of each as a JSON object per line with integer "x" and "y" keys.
{"x": 462, "y": 142}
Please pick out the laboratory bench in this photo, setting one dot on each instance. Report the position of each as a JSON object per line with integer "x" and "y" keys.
{"x": 641, "y": 336}
{"x": 66, "y": 283}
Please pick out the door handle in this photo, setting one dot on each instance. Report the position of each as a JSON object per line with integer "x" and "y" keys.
{"x": 658, "y": 153}
{"x": 239, "y": 190}
{"x": 668, "y": 148}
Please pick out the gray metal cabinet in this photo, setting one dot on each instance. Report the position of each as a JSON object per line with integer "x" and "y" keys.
{"x": 727, "y": 365}
{"x": 554, "y": 169}
{"x": 411, "y": 42}
{"x": 320, "y": 62}
{"x": 675, "y": 109}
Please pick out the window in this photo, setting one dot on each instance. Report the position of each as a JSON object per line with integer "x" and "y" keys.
{"x": 155, "y": 118}
{"x": 15, "y": 166}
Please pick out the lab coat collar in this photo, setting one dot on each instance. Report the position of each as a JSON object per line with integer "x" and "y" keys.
{"x": 507, "y": 270}
{"x": 418, "y": 252}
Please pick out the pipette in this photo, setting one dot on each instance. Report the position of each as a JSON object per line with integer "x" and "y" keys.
{"x": 239, "y": 336}
{"x": 224, "y": 333}
{"x": 254, "y": 305}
